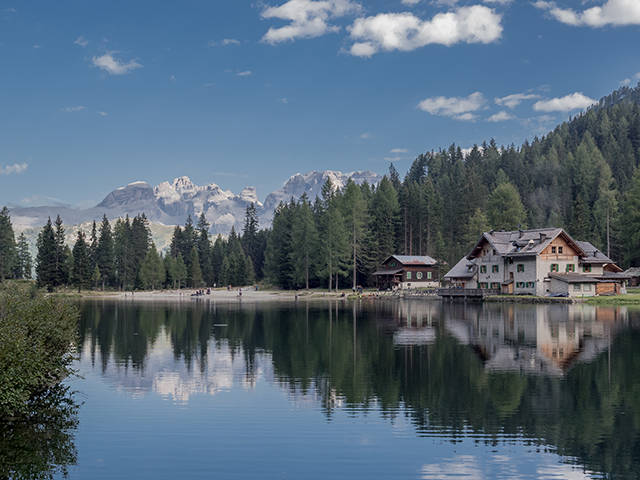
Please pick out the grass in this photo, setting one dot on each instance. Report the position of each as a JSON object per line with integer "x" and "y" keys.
{"x": 628, "y": 299}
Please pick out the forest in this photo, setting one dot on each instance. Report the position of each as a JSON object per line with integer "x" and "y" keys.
{"x": 584, "y": 176}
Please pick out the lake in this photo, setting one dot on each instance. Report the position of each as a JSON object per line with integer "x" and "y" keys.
{"x": 407, "y": 389}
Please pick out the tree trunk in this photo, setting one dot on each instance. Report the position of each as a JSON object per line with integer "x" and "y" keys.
{"x": 354, "y": 256}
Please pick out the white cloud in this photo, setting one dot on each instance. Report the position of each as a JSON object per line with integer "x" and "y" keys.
{"x": 612, "y": 12}
{"x": 225, "y": 42}
{"x": 15, "y": 169}
{"x": 76, "y": 108}
{"x": 113, "y": 66}
{"x": 245, "y": 73}
{"x": 365, "y": 136}
{"x": 103, "y": 114}
{"x": 284, "y": 100}
{"x": 83, "y": 42}
{"x": 574, "y": 101}
{"x": 628, "y": 81}
{"x": 410, "y": 2}
{"x": 406, "y": 32}
{"x": 460, "y": 108}
{"x": 513, "y": 100}
{"x": 399, "y": 150}
{"x": 307, "y": 18}
{"x": 502, "y": 116}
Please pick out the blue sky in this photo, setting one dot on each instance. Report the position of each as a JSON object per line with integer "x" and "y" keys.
{"x": 94, "y": 95}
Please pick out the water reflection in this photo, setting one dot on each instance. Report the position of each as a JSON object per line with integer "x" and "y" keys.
{"x": 560, "y": 377}
{"x": 41, "y": 445}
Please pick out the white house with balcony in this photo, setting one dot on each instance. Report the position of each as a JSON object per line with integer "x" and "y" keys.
{"x": 541, "y": 262}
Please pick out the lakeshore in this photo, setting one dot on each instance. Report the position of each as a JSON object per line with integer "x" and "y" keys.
{"x": 250, "y": 295}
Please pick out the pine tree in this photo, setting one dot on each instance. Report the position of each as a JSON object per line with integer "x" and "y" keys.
{"x": 81, "y": 271}
{"x": 24, "y": 264}
{"x": 631, "y": 221}
{"x": 123, "y": 253}
{"x": 93, "y": 247}
{"x": 305, "y": 243}
{"x": 195, "y": 274}
{"x": 251, "y": 241}
{"x": 204, "y": 250}
{"x": 217, "y": 257}
{"x": 180, "y": 273}
{"x": 8, "y": 251}
{"x": 354, "y": 209}
{"x": 505, "y": 209}
{"x": 152, "y": 270}
{"x": 46, "y": 260}
{"x": 105, "y": 259}
{"x": 62, "y": 267}
{"x": 96, "y": 277}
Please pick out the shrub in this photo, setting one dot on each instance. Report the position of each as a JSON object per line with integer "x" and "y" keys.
{"x": 37, "y": 345}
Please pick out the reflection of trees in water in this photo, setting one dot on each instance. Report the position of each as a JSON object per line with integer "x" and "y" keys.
{"x": 41, "y": 445}
{"x": 345, "y": 356}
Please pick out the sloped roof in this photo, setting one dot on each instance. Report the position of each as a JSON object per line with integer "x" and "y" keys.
{"x": 593, "y": 255}
{"x": 387, "y": 272}
{"x": 463, "y": 269}
{"x": 522, "y": 242}
{"x": 414, "y": 259}
{"x": 633, "y": 272}
{"x": 574, "y": 278}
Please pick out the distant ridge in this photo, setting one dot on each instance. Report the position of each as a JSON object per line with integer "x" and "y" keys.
{"x": 170, "y": 203}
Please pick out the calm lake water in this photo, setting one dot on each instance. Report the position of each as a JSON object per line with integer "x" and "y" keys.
{"x": 384, "y": 389}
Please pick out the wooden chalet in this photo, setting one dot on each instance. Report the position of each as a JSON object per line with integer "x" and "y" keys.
{"x": 407, "y": 271}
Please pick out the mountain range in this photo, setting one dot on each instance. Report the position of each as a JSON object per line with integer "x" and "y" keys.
{"x": 170, "y": 203}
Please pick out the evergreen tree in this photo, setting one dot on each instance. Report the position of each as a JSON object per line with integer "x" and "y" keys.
{"x": 354, "y": 209}
{"x": 631, "y": 223}
{"x": 251, "y": 241}
{"x": 305, "y": 243}
{"x": 46, "y": 260}
{"x": 81, "y": 271}
{"x": 217, "y": 257}
{"x": 123, "y": 253}
{"x": 505, "y": 209}
{"x": 152, "y": 270}
{"x": 195, "y": 274}
{"x": 180, "y": 273}
{"x": 96, "y": 277}
{"x": 105, "y": 259}
{"x": 8, "y": 252}
{"x": 204, "y": 251}
{"x": 24, "y": 263}
{"x": 61, "y": 260}
{"x": 93, "y": 247}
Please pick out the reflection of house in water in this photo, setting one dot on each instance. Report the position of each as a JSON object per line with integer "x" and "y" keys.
{"x": 414, "y": 321}
{"x": 535, "y": 339}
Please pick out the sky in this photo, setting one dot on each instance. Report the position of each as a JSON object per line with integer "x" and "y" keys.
{"x": 94, "y": 95}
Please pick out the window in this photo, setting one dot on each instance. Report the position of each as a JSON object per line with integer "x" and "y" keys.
{"x": 571, "y": 267}
{"x": 519, "y": 284}
{"x": 559, "y": 249}
{"x": 577, "y": 287}
{"x": 483, "y": 269}
{"x": 408, "y": 275}
{"x": 495, "y": 286}
{"x": 587, "y": 287}
{"x": 484, "y": 285}
{"x": 553, "y": 249}
{"x": 429, "y": 275}
{"x": 531, "y": 284}
{"x": 554, "y": 267}
{"x": 419, "y": 276}
{"x": 495, "y": 268}
{"x": 393, "y": 264}
{"x": 586, "y": 268}
{"x": 520, "y": 267}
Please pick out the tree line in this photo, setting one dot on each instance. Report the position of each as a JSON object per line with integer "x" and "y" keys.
{"x": 123, "y": 256}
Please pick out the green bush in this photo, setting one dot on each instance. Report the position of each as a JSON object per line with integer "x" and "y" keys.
{"x": 37, "y": 345}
